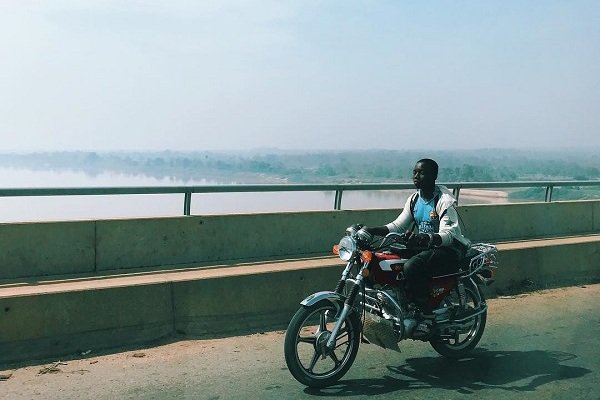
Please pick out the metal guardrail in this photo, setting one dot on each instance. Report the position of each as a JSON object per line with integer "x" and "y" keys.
{"x": 339, "y": 189}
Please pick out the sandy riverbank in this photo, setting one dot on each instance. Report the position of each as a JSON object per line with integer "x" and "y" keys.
{"x": 483, "y": 193}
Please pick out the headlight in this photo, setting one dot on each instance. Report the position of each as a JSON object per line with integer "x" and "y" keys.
{"x": 347, "y": 247}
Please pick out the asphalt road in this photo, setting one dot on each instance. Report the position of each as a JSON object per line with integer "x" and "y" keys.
{"x": 537, "y": 346}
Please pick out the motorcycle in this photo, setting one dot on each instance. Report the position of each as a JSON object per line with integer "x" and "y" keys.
{"x": 371, "y": 305}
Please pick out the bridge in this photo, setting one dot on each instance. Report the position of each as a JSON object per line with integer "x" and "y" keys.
{"x": 69, "y": 286}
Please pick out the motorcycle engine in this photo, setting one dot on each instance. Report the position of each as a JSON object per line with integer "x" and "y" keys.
{"x": 383, "y": 325}
{"x": 380, "y": 331}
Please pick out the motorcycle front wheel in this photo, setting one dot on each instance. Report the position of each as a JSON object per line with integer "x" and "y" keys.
{"x": 459, "y": 341}
{"x": 306, "y": 354}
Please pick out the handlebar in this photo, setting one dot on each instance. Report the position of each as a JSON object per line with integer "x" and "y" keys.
{"x": 397, "y": 237}
{"x": 368, "y": 240}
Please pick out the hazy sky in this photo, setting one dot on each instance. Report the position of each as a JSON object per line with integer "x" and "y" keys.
{"x": 198, "y": 75}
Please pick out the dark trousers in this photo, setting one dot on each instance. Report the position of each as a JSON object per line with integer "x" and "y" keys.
{"x": 419, "y": 269}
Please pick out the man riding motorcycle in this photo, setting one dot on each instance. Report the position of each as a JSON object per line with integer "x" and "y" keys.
{"x": 430, "y": 222}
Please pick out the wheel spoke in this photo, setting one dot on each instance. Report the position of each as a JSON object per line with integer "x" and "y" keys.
{"x": 342, "y": 333}
{"x": 313, "y": 362}
{"x": 343, "y": 343}
{"x": 335, "y": 359}
{"x": 307, "y": 339}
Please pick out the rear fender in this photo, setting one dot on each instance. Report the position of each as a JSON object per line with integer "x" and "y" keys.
{"x": 334, "y": 298}
{"x": 478, "y": 283}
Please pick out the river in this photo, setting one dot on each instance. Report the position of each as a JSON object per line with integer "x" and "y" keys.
{"x": 51, "y": 208}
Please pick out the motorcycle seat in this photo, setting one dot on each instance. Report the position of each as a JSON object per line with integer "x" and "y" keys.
{"x": 463, "y": 265}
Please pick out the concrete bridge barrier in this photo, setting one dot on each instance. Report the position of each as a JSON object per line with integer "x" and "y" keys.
{"x": 31, "y": 250}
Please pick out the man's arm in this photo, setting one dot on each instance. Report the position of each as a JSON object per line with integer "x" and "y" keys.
{"x": 449, "y": 227}
{"x": 400, "y": 224}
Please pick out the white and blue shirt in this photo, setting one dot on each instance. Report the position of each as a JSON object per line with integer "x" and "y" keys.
{"x": 426, "y": 216}
{"x": 430, "y": 218}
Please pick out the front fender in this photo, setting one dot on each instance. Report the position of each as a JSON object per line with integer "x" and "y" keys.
{"x": 334, "y": 298}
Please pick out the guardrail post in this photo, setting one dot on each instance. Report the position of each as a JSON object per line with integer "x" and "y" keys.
{"x": 187, "y": 203}
{"x": 337, "y": 205}
{"x": 456, "y": 193}
{"x": 549, "y": 190}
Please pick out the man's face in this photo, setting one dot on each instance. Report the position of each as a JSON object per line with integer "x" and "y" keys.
{"x": 423, "y": 176}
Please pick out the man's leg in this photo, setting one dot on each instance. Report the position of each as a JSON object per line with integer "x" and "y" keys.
{"x": 418, "y": 271}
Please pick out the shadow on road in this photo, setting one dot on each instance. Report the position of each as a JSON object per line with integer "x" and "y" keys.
{"x": 516, "y": 371}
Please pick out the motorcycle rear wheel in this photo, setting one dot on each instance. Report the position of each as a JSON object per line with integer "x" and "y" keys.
{"x": 462, "y": 343}
{"x": 305, "y": 354}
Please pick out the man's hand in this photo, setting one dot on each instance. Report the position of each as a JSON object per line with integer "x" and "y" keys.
{"x": 415, "y": 240}
{"x": 364, "y": 235}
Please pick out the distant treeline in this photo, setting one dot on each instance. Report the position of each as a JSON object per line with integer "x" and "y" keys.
{"x": 488, "y": 165}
